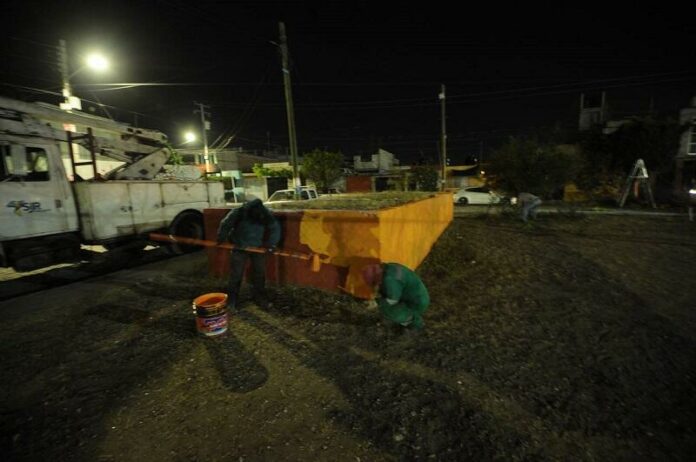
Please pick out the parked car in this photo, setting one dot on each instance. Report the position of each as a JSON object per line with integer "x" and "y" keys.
{"x": 288, "y": 195}
{"x": 478, "y": 195}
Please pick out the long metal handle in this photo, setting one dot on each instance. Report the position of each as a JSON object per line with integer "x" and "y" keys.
{"x": 314, "y": 257}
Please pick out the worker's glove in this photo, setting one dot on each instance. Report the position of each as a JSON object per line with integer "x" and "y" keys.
{"x": 271, "y": 249}
{"x": 371, "y": 304}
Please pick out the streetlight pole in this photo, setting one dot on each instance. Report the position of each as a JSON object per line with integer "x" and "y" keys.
{"x": 70, "y": 102}
{"x": 204, "y": 125}
{"x": 443, "y": 142}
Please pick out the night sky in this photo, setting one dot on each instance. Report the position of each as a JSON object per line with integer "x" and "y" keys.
{"x": 365, "y": 74}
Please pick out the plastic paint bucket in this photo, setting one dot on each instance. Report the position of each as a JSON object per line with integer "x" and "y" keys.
{"x": 211, "y": 313}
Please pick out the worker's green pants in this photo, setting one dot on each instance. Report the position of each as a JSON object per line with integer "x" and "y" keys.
{"x": 406, "y": 315}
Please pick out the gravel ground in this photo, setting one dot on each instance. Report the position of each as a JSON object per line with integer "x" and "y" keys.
{"x": 566, "y": 339}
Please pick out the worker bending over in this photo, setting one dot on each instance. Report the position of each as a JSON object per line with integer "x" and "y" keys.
{"x": 401, "y": 296}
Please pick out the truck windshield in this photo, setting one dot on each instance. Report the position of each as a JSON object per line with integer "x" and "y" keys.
{"x": 282, "y": 196}
{"x": 25, "y": 164}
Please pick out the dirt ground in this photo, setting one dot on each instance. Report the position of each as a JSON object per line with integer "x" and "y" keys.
{"x": 566, "y": 339}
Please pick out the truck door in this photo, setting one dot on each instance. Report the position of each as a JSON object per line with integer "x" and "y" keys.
{"x": 35, "y": 196}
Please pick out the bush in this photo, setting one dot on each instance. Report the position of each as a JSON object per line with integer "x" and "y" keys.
{"x": 426, "y": 178}
{"x": 525, "y": 165}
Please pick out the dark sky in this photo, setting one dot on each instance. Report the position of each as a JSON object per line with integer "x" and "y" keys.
{"x": 365, "y": 74}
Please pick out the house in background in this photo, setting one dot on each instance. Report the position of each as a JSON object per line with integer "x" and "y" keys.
{"x": 460, "y": 176}
{"x": 381, "y": 162}
{"x": 593, "y": 111}
{"x": 596, "y": 112}
{"x": 376, "y": 172}
{"x": 685, "y": 160}
{"x": 233, "y": 163}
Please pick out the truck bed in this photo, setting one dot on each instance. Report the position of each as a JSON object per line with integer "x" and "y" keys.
{"x": 113, "y": 209}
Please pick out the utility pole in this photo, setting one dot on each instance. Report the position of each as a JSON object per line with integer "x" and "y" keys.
{"x": 205, "y": 125}
{"x": 64, "y": 72}
{"x": 289, "y": 106}
{"x": 443, "y": 136}
{"x": 70, "y": 102}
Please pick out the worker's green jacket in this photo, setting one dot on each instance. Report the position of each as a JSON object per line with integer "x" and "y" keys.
{"x": 403, "y": 296}
{"x": 241, "y": 230}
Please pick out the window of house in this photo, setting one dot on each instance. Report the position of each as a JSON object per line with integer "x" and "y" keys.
{"x": 23, "y": 164}
{"x": 5, "y": 162}
{"x": 692, "y": 141}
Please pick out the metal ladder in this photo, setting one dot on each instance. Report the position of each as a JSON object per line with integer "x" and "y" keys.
{"x": 640, "y": 173}
{"x": 90, "y": 145}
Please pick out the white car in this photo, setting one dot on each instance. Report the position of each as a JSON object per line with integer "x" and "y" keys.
{"x": 478, "y": 195}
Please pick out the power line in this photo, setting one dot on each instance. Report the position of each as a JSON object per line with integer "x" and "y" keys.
{"x": 587, "y": 82}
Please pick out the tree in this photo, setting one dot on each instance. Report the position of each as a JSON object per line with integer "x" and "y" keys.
{"x": 610, "y": 157}
{"x": 425, "y": 177}
{"x": 261, "y": 171}
{"x": 322, "y": 167}
{"x": 526, "y": 165}
{"x": 653, "y": 140}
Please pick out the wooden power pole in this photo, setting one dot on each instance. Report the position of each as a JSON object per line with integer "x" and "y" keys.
{"x": 288, "y": 105}
{"x": 443, "y": 139}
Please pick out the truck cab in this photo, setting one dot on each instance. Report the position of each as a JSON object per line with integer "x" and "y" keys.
{"x": 38, "y": 200}
{"x": 37, "y": 205}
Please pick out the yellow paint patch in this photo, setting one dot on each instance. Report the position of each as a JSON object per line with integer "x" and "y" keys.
{"x": 403, "y": 234}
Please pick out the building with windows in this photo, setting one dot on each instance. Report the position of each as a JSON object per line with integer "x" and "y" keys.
{"x": 235, "y": 163}
{"x": 593, "y": 111}
{"x": 380, "y": 162}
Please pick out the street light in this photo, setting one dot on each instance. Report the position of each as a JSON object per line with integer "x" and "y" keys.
{"x": 93, "y": 61}
{"x": 189, "y": 137}
{"x": 97, "y": 62}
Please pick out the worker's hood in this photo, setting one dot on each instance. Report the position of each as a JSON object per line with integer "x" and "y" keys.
{"x": 253, "y": 204}
{"x": 256, "y": 211}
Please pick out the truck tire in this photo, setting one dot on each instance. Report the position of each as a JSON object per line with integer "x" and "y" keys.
{"x": 32, "y": 254}
{"x": 186, "y": 224}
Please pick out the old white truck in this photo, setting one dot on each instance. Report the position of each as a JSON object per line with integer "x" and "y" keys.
{"x": 68, "y": 179}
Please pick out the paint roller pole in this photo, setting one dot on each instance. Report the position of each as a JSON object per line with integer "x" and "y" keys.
{"x": 314, "y": 257}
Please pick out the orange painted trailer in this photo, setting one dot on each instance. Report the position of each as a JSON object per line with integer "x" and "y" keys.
{"x": 347, "y": 240}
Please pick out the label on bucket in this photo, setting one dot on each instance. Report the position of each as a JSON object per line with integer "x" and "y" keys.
{"x": 212, "y": 325}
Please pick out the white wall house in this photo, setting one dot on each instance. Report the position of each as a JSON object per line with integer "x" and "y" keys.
{"x": 382, "y": 162}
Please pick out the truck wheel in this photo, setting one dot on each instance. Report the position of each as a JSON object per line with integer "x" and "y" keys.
{"x": 186, "y": 224}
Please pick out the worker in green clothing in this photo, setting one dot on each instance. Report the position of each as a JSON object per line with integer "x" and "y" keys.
{"x": 401, "y": 296}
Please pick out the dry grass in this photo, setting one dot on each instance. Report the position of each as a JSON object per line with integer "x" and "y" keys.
{"x": 354, "y": 201}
